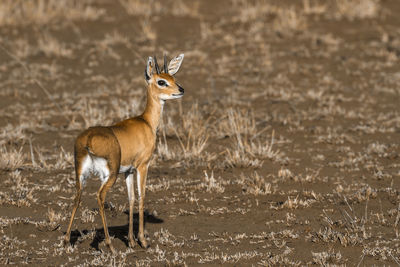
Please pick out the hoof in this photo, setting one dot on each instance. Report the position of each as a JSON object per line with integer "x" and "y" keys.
{"x": 132, "y": 243}
{"x": 143, "y": 243}
{"x": 110, "y": 246}
{"x": 66, "y": 242}
{"x": 113, "y": 251}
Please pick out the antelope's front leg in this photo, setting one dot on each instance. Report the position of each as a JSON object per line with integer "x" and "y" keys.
{"x": 141, "y": 183}
{"x": 131, "y": 198}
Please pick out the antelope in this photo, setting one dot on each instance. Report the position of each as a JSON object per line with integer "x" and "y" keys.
{"x": 125, "y": 147}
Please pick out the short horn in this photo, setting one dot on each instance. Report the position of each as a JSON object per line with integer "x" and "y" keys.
{"x": 156, "y": 65}
{"x": 165, "y": 64}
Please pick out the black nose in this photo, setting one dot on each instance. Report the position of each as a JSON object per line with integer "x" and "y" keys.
{"x": 181, "y": 89}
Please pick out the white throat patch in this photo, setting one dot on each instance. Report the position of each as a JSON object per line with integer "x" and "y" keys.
{"x": 162, "y": 102}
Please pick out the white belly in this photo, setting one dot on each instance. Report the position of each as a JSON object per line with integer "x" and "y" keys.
{"x": 125, "y": 169}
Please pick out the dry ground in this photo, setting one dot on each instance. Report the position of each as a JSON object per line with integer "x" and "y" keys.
{"x": 283, "y": 151}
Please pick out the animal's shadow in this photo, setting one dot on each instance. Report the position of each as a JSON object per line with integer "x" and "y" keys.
{"x": 120, "y": 231}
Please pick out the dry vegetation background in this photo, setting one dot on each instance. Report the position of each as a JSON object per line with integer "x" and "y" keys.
{"x": 283, "y": 151}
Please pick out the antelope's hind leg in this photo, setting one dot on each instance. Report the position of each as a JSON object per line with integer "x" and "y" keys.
{"x": 101, "y": 196}
{"x": 108, "y": 174}
{"x": 105, "y": 152}
{"x": 82, "y": 172}
{"x": 76, "y": 205}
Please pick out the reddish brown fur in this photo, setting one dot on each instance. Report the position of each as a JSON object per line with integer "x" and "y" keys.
{"x": 127, "y": 143}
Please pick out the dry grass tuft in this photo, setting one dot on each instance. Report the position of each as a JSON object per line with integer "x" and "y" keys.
{"x": 239, "y": 158}
{"x": 48, "y": 161}
{"x": 138, "y": 7}
{"x": 237, "y": 122}
{"x": 255, "y": 184}
{"x": 11, "y": 158}
{"x": 192, "y": 136}
{"x": 13, "y": 134}
{"x": 327, "y": 258}
{"x": 284, "y": 19}
{"x": 51, "y": 47}
{"x": 313, "y": 7}
{"x": 247, "y": 150}
{"x": 290, "y": 20}
{"x": 148, "y": 8}
{"x": 20, "y": 12}
{"x": 211, "y": 184}
{"x": 357, "y": 9}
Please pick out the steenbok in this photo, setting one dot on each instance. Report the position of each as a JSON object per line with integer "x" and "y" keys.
{"x": 126, "y": 147}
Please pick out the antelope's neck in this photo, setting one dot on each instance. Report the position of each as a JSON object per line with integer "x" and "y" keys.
{"x": 153, "y": 111}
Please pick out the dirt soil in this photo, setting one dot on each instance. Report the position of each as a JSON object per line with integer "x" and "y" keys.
{"x": 283, "y": 151}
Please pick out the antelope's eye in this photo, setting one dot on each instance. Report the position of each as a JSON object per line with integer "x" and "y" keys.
{"x": 161, "y": 83}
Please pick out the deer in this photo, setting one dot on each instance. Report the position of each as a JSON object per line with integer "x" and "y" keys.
{"x": 125, "y": 147}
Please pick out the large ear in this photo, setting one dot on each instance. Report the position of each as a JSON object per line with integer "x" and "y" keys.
{"x": 175, "y": 64}
{"x": 149, "y": 69}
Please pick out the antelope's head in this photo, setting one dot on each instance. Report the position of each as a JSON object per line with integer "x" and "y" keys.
{"x": 162, "y": 83}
